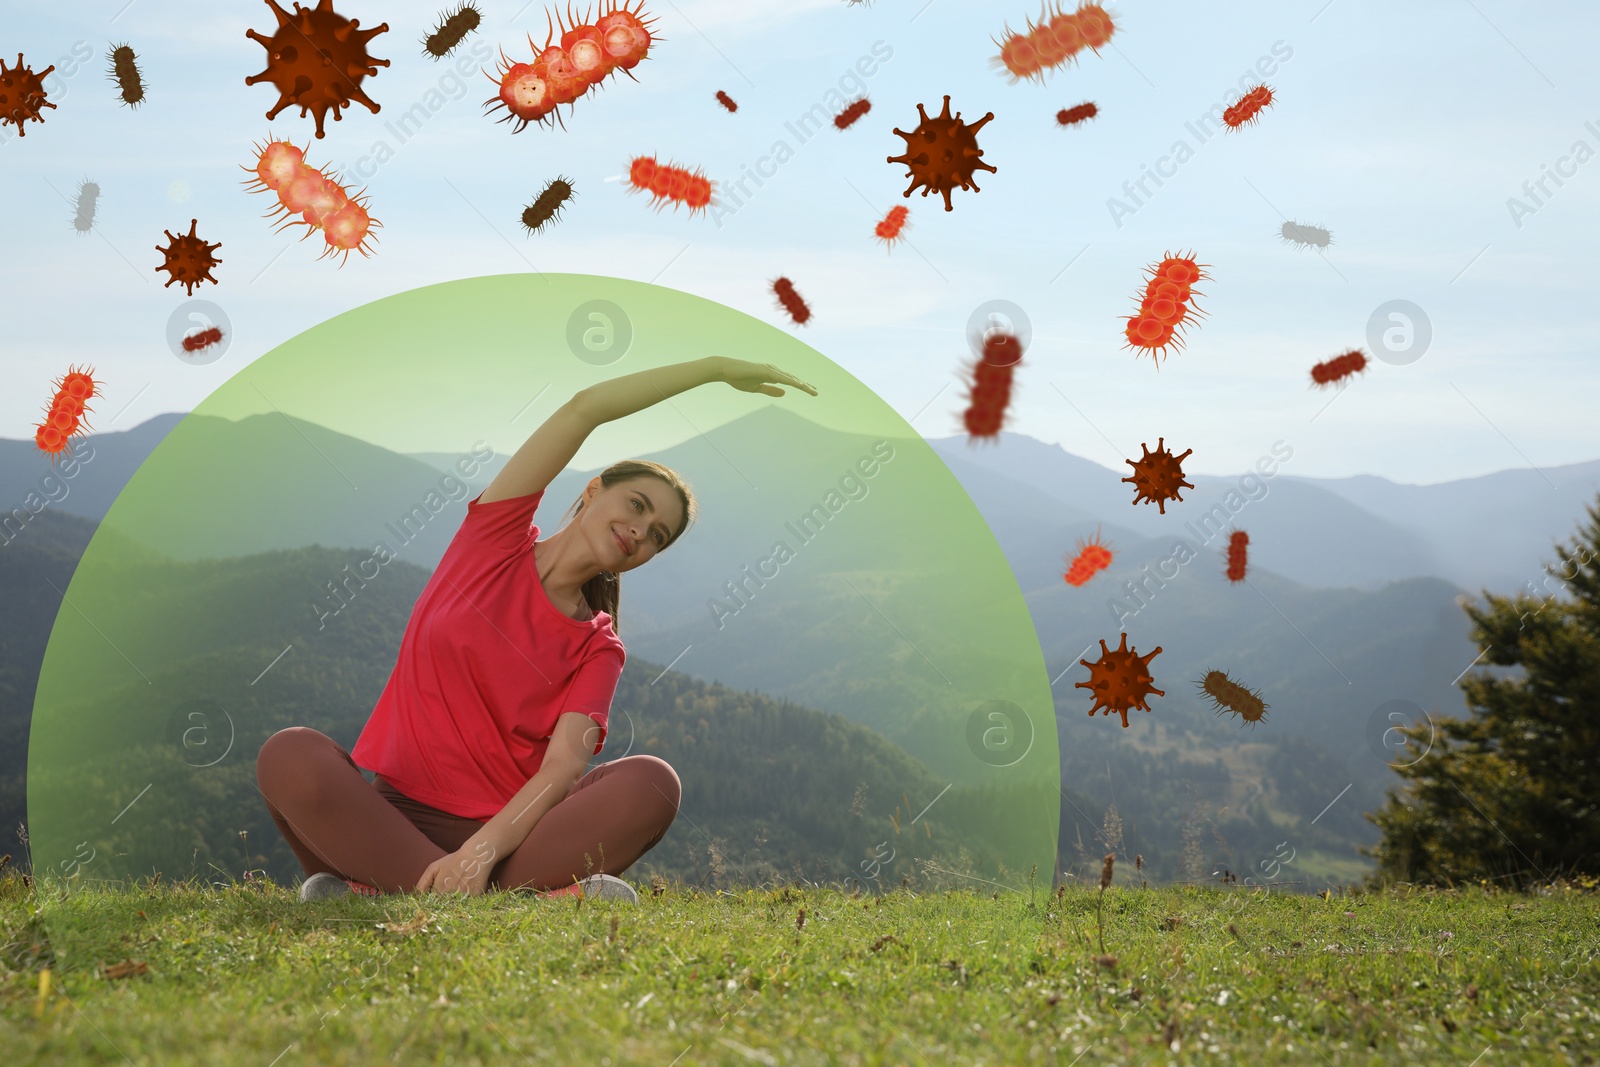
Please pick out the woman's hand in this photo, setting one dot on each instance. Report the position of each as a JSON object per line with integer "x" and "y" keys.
{"x": 758, "y": 377}
{"x": 465, "y": 871}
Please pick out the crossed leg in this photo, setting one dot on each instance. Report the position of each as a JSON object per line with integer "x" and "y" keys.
{"x": 335, "y": 820}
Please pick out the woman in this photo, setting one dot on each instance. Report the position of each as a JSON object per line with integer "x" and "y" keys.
{"x": 503, "y": 686}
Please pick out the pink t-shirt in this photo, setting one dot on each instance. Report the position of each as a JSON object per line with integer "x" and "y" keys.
{"x": 486, "y": 666}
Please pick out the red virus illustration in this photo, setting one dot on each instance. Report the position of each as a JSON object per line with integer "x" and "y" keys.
{"x": 847, "y": 118}
{"x": 88, "y": 196}
{"x": 949, "y": 153}
{"x": 1238, "y": 550}
{"x": 189, "y": 258}
{"x": 1165, "y": 308}
{"x": 791, "y": 301}
{"x": 1071, "y": 116}
{"x": 990, "y": 388}
{"x": 665, "y": 182}
{"x": 1303, "y": 236}
{"x": 125, "y": 72}
{"x": 1247, "y": 108}
{"x": 1054, "y": 42}
{"x": 1157, "y": 476}
{"x": 65, "y": 419}
{"x": 317, "y": 59}
{"x": 452, "y": 30}
{"x": 201, "y": 339}
{"x": 538, "y": 214}
{"x": 891, "y": 228}
{"x": 726, "y": 101}
{"x": 1120, "y": 679}
{"x": 1338, "y": 368}
{"x": 1092, "y": 558}
{"x": 22, "y": 95}
{"x": 308, "y": 197}
{"x": 560, "y": 73}
{"x": 1229, "y": 696}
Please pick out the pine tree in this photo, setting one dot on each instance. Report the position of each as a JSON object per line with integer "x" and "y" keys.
{"x": 1511, "y": 793}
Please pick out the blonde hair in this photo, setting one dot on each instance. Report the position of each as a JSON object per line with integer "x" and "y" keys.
{"x": 604, "y": 590}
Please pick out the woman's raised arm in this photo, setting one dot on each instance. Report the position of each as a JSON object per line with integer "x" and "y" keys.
{"x": 551, "y": 447}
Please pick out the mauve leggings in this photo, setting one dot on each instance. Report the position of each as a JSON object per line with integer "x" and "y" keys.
{"x": 335, "y": 820}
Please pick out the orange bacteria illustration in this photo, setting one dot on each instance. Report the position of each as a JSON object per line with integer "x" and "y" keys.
{"x": 1092, "y": 558}
{"x": 791, "y": 301}
{"x": 309, "y": 197}
{"x": 1247, "y": 108}
{"x": 666, "y": 183}
{"x": 1238, "y": 547}
{"x": 1165, "y": 308}
{"x": 890, "y": 229}
{"x": 560, "y": 73}
{"x": 189, "y": 258}
{"x": 1072, "y": 116}
{"x": 847, "y": 118}
{"x": 1157, "y": 476}
{"x": 726, "y": 101}
{"x": 316, "y": 59}
{"x": 949, "y": 153}
{"x": 1229, "y": 696}
{"x": 1120, "y": 679}
{"x": 74, "y": 390}
{"x": 1338, "y": 368}
{"x": 1054, "y": 42}
{"x": 22, "y": 94}
{"x": 990, "y": 393}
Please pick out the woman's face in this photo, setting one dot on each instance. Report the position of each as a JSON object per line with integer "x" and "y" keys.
{"x": 630, "y": 522}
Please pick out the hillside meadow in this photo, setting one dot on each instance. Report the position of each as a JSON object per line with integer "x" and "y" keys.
{"x": 937, "y": 969}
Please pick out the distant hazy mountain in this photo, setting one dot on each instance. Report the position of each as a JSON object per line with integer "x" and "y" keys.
{"x": 1493, "y": 531}
{"x": 1351, "y": 603}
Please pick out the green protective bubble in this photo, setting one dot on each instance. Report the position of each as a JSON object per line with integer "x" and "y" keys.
{"x": 836, "y": 565}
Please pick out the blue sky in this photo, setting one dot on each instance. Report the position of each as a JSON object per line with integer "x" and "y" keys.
{"x": 1402, "y": 129}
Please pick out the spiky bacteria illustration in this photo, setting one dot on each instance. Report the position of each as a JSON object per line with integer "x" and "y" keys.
{"x": 1229, "y": 696}
{"x": 1071, "y": 116}
{"x": 1247, "y": 108}
{"x": 1120, "y": 679}
{"x": 125, "y": 72}
{"x": 948, "y": 156}
{"x": 319, "y": 201}
{"x": 1157, "y": 476}
{"x": 1238, "y": 555}
{"x": 1338, "y": 368}
{"x": 189, "y": 258}
{"x": 1093, "y": 557}
{"x": 669, "y": 184}
{"x": 22, "y": 95}
{"x": 316, "y": 59}
{"x": 559, "y": 74}
{"x": 1054, "y": 42}
{"x": 889, "y": 230}
{"x": 74, "y": 390}
{"x": 1165, "y": 308}
{"x": 991, "y": 385}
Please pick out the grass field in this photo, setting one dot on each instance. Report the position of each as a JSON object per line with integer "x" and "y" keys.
{"x": 244, "y": 974}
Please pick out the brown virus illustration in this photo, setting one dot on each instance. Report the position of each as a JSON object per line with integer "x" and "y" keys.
{"x": 1229, "y": 696}
{"x": 316, "y": 59}
{"x": 22, "y": 95}
{"x": 189, "y": 258}
{"x": 1157, "y": 476}
{"x": 1120, "y": 679}
{"x": 942, "y": 153}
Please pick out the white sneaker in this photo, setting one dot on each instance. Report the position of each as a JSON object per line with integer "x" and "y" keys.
{"x": 602, "y": 886}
